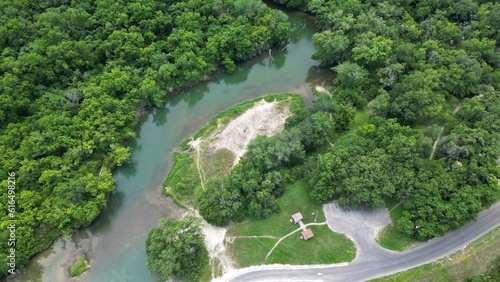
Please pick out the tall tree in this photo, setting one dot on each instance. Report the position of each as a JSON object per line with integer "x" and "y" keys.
{"x": 176, "y": 250}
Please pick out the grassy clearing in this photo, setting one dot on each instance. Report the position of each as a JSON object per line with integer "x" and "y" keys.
{"x": 295, "y": 199}
{"x": 473, "y": 260}
{"x": 183, "y": 179}
{"x": 250, "y": 251}
{"x": 206, "y": 273}
{"x": 397, "y": 213}
{"x": 325, "y": 247}
{"x": 391, "y": 238}
{"x": 361, "y": 117}
{"x": 217, "y": 164}
{"x": 79, "y": 267}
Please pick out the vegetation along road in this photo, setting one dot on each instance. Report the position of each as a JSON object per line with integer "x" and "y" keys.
{"x": 367, "y": 268}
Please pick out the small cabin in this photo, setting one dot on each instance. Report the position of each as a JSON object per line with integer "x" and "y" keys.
{"x": 296, "y": 218}
{"x": 306, "y": 234}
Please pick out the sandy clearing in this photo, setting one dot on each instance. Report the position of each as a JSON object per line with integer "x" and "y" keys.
{"x": 322, "y": 89}
{"x": 195, "y": 144}
{"x": 214, "y": 241}
{"x": 262, "y": 119}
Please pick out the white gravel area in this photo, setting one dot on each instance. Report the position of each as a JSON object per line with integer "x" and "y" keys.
{"x": 262, "y": 119}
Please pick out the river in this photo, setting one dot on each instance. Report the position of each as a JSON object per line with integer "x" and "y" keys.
{"x": 115, "y": 241}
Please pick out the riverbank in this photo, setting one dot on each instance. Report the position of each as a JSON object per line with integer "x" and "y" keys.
{"x": 215, "y": 149}
{"x": 116, "y": 238}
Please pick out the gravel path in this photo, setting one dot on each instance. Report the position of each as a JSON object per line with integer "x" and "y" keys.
{"x": 362, "y": 226}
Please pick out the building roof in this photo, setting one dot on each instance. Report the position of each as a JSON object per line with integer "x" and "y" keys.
{"x": 297, "y": 217}
{"x": 307, "y": 234}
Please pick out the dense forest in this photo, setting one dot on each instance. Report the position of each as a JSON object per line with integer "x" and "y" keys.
{"x": 407, "y": 62}
{"x": 76, "y": 75}
{"x": 424, "y": 72}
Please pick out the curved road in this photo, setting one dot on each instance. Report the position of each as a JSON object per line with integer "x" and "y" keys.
{"x": 380, "y": 262}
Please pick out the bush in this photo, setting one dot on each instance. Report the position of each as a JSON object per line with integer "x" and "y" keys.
{"x": 78, "y": 267}
{"x": 184, "y": 145}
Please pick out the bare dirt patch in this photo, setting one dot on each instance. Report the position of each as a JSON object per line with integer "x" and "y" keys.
{"x": 214, "y": 241}
{"x": 322, "y": 89}
{"x": 262, "y": 119}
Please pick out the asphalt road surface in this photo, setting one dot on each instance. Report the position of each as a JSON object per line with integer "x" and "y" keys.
{"x": 372, "y": 261}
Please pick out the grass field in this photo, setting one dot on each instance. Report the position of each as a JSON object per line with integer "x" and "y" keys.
{"x": 390, "y": 237}
{"x": 361, "y": 117}
{"x": 471, "y": 261}
{"x": 182, "y": 180}
{"x": 250, "y": 251}
{"x": 78, "y": 267}
{"x": 325, "y": 247}
{"x": 295, "y": 199}
{"x": 217, "y": 164}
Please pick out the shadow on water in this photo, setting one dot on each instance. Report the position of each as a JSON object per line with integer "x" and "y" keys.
{"x": 318, "y": 75}
{"x": 102, "y": 223}
{"x": 130, "y": 168}
{"x": 35, "y": 274}
{"x": 299, "y": 28}
{"x": 279, "y": 60}
{"x": 160, "y": 116}
{"x": 196, "y": 94}
{"x": 237, "y": 79}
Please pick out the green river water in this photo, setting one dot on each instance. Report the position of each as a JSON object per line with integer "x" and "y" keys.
{"x": 115, "y": 242}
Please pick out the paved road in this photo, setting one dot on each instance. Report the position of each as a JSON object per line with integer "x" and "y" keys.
{"x": 378, "y": 262}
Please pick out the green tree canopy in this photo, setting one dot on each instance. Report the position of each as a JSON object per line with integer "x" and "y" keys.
{"x": 175, "y": 249}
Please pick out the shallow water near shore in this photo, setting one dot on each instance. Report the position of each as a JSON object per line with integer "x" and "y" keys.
{"x": 115, "y": 241}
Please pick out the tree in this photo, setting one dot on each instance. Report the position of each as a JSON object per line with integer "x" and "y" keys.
{"x": 220, "y": 203}
{"x": 351, "y": 75}
{"x": 316, "y": 130}
{"x": 372, "y": 50}
{"x": 331, "y": 47}
{"x": 464, "y": 10}
{"x": 175, "y": 249}
{"x": 417, "y": 96}
{"x": 380, "y": 105}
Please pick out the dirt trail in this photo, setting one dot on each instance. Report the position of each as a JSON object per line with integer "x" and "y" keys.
{"x": 434, "y": 146}
{"x": 397, "y": 205}
{"x": 195, "y": 144}
{"x": 214, "y": 241}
